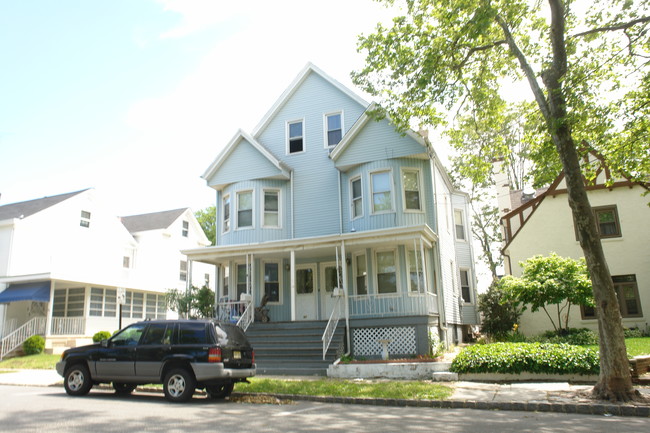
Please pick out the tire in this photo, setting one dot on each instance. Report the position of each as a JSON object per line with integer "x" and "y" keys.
{"x": 123, "y": 388}
{"x": 221, "y": 391}
{"x": 77, "y": 380}
{"x": 179, "y": 385}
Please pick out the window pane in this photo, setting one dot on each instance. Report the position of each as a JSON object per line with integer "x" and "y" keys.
{"x": 246, "y": 218}
{"x": 271, "y": 220}
{"x": 271, "y": 282}
{"x": 382, "y": 201}
{"x": 410, "y": 179}
{"x": 412, "y": 200}
{"x": 356, "y": 188}
{"x": 245, "y": 200}
{"x": 358, "y": 208}
{"x": 362, "y": 288}
{"x": 271, "y": 201}
{"x": 295, "y": 145}
{"x": 381, "y": 192}
{"x": 380, "y": 182}
{"x": 245, "y": 206}
{"x": 304, "y": 281}
{"x": 333, "y": 122}
{"x": 295, "y": 130}
{"x": 386, "y": 272}
{"x": 334, "y": 137}
{"x": 138, "y": 302}
{"x": 331, "y": 278}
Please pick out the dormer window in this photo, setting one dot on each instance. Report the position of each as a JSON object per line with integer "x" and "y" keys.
{"x": 333, "y": 129}
{"x": 85, "y": 219}
{"x": 295, "y": 137}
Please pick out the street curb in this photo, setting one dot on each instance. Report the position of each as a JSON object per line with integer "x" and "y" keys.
{"x": 572, "y": 408}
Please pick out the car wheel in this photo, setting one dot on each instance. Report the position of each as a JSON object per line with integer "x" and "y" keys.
{"x": 179, "y": 385}
{"x": 220, "y": 391}
{"x": 123, "y": 388}
{"x": 77, "y": 380}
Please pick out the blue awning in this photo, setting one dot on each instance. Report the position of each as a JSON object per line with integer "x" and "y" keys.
{"x": 39, "y": 292}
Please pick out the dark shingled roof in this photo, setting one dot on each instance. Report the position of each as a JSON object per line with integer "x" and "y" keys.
{"x": 24, "y": 209}
{"x": 151, "y": 221}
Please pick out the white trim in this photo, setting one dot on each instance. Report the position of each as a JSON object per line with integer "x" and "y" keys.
{"x": 263, "y": 273}
{"x": 462, "y": 221}
{"x": 326, "y": 130}
{"x": 391, "y": 190}
{"x": 287, "y": 136}
{"x": 469, "y": 284}
{"x": 418, "y": 173}
{"x": 352, "y": 180}
{"x": 398, "y": 288}
{"x": 237, "y": 194}
{"x": 263, "y": 209}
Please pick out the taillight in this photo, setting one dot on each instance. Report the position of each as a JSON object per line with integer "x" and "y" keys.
{"x": 214, "y": 354}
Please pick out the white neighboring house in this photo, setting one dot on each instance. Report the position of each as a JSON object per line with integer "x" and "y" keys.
{"x": 65, "y": 258}
{"x": 543, "y": 224}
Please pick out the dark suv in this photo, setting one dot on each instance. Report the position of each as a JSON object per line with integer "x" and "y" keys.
{"x": 181, "y": 354}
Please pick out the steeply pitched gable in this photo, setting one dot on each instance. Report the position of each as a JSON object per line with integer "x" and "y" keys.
{"x": 151, "y": 221}
{"x": 30, "y": 207}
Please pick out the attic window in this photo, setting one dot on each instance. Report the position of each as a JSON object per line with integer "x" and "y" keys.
{"x": 85, "y": 219}
{"x": 186, "y": 228}
{"x": 295, "y": 137}
{"x": 334, "y": 129}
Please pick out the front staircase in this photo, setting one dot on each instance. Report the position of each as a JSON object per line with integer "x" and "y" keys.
{"x": 293, "y": 348}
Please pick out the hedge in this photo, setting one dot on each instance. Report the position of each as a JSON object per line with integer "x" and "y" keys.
{"x": 527, "y": 357}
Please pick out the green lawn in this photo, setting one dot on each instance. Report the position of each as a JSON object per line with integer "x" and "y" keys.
{"x": 31, "y": 362}
{"x": 346, "y": 388}
{"x": 634, "y": 346}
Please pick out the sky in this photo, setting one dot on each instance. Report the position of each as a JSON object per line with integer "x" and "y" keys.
{"x": 136, "y": 98}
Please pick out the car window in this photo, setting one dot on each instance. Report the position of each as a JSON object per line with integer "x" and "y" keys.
{"x": 128, "y": 336}
{"x": 158, "y": 333}
{"x": 230, "y": 335}
{"x": 192, "y": 333}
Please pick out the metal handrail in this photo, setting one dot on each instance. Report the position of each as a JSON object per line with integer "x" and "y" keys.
{"x": 247, "y": 316}
{"x": 11, "y": 342}
{"x": 332, "y": 323}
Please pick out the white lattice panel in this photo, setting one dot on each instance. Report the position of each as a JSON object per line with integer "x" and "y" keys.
{"x": 366, "y": 341}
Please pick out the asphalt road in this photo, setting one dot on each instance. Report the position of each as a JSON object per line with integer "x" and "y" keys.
{"x": 34, "y": 409}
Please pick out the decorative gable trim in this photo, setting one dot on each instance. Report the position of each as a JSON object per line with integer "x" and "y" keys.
{"x": 295, "y": 84}
{"x": 232, "y": 144}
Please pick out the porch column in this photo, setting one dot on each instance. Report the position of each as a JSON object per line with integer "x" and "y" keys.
{"x": 345, "y": 293}
{"x": 50, "y": 311}
{"x": 292, "y": 288}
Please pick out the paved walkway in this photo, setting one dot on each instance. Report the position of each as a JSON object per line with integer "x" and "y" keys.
{"x": 543, "y": 397}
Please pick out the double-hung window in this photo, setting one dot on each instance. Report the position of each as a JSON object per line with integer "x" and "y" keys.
{"x": 411, "y": 185}
{"x": 186, "y": 229}
{"x": 272, "y": 282}
{"x": 607, "y": 221}
{"x": 333, "y": 129}
{"x": 271, "y": 215}
{"x": 183, "y": 271}
{"x": 459, "y": 224}
{"x": 242, "y": 280}
{"x": 627, "y": 292}
{"x": 465, "y": 291}
{"x": 244, "y": 209}
{"x": 226, "y": 213}
{"x": 382, "y": 200}
{"x": 357, "y": 197}
{"x": 386, "y": 272}
{"x": 295, "y": 137}
{"x": 85, "y": 219}
{"x": 416, "y": 272}
{"x": 360, "y": 274}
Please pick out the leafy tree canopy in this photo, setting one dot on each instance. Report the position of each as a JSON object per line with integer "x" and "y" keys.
{"x": 207, "y": 218}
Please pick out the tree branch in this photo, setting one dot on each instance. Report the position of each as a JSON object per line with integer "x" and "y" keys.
{"x": 613, "y": 28}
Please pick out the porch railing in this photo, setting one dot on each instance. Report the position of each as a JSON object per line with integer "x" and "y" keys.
{"x": 247, "y": 316}
{"x": 237, "y": 312}
{"x": 331, "y": 326}
{"x": 35, "y": 326}
{"x": 68, "y": 326}
{"x": 9, "y": 326}
{"x": 417, "y": 304}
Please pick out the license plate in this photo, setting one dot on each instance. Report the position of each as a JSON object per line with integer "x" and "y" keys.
{"x": 236, "y": 354}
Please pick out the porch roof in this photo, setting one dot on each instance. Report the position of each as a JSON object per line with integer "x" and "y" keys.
{"x": 39, "y": 292}
{"x": 315, "y": 245}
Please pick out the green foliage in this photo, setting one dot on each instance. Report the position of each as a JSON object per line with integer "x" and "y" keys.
{"x": 436, "y": 346}
{"x": 207, "y": 218}
{"x": 518, "y": 358}
{"x": 550, "y": 281}
{"x": 34, "y": 345}
{"x": 101, "y": 335}
{"x": 193, "y": 303}
{"x": 574, "y": 336}
{"x": 633, "y": 333}
{"x": 499, "y": 314}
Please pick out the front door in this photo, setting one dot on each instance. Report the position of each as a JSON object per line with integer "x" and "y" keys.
{"x": 328, "y": 281}
{"x": 306, "y": 301}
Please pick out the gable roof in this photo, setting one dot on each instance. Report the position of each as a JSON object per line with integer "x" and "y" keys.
{"x": 151, "y": 221}
{"x": 26, "y": 208}
{"x": 283, "y": 169}
{"x": 295, "y": 84}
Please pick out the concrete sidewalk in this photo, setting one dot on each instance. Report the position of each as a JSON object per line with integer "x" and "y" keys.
{"x": 539, "y": 396}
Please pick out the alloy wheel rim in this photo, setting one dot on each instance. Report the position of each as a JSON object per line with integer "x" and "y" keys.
{"x": 75, "y": 380}
{"x": 176, "y": 385}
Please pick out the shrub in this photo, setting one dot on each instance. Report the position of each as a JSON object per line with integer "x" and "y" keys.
{"x": 34, "y": 345}
{"x": 101, "y": 335}
{"x": 633, "y": 333}
{"x": 498, "y": 314}
{"x": 527, "y": 357}
{"x": 574, "y": 336}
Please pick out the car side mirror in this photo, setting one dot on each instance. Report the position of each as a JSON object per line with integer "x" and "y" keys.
{"x": 104, "y": 343}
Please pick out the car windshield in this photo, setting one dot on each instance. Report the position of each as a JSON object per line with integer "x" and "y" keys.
{"x": 128, "y": 336}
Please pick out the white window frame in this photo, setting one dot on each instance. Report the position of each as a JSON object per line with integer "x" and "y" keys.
{"x": 420, "y": 268}
{"x": 226, "y": 222}
{"x": 279, "y": 212}
{"x": 469, "y": 284}
{"x": 375, "y": 276}
{"x": 280, "y": 300}
{"x": 287, "y": 140}
{"x": 84, "y": 219}
{"x": 354, "y": 179}
{"x": 462, "y": 222}
{"x": 237, "y": 195}
{"x": 186, "y": 229}
{"x": 418, "y": 173}
{"x": 183, "y": 273}
{"x": 355, "y": 258}
{"x": 391, "y": 191}
{"x": 326, "y": 116}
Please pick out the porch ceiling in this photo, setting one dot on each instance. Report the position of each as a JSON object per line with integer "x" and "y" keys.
{"x": 315, "y": 247}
